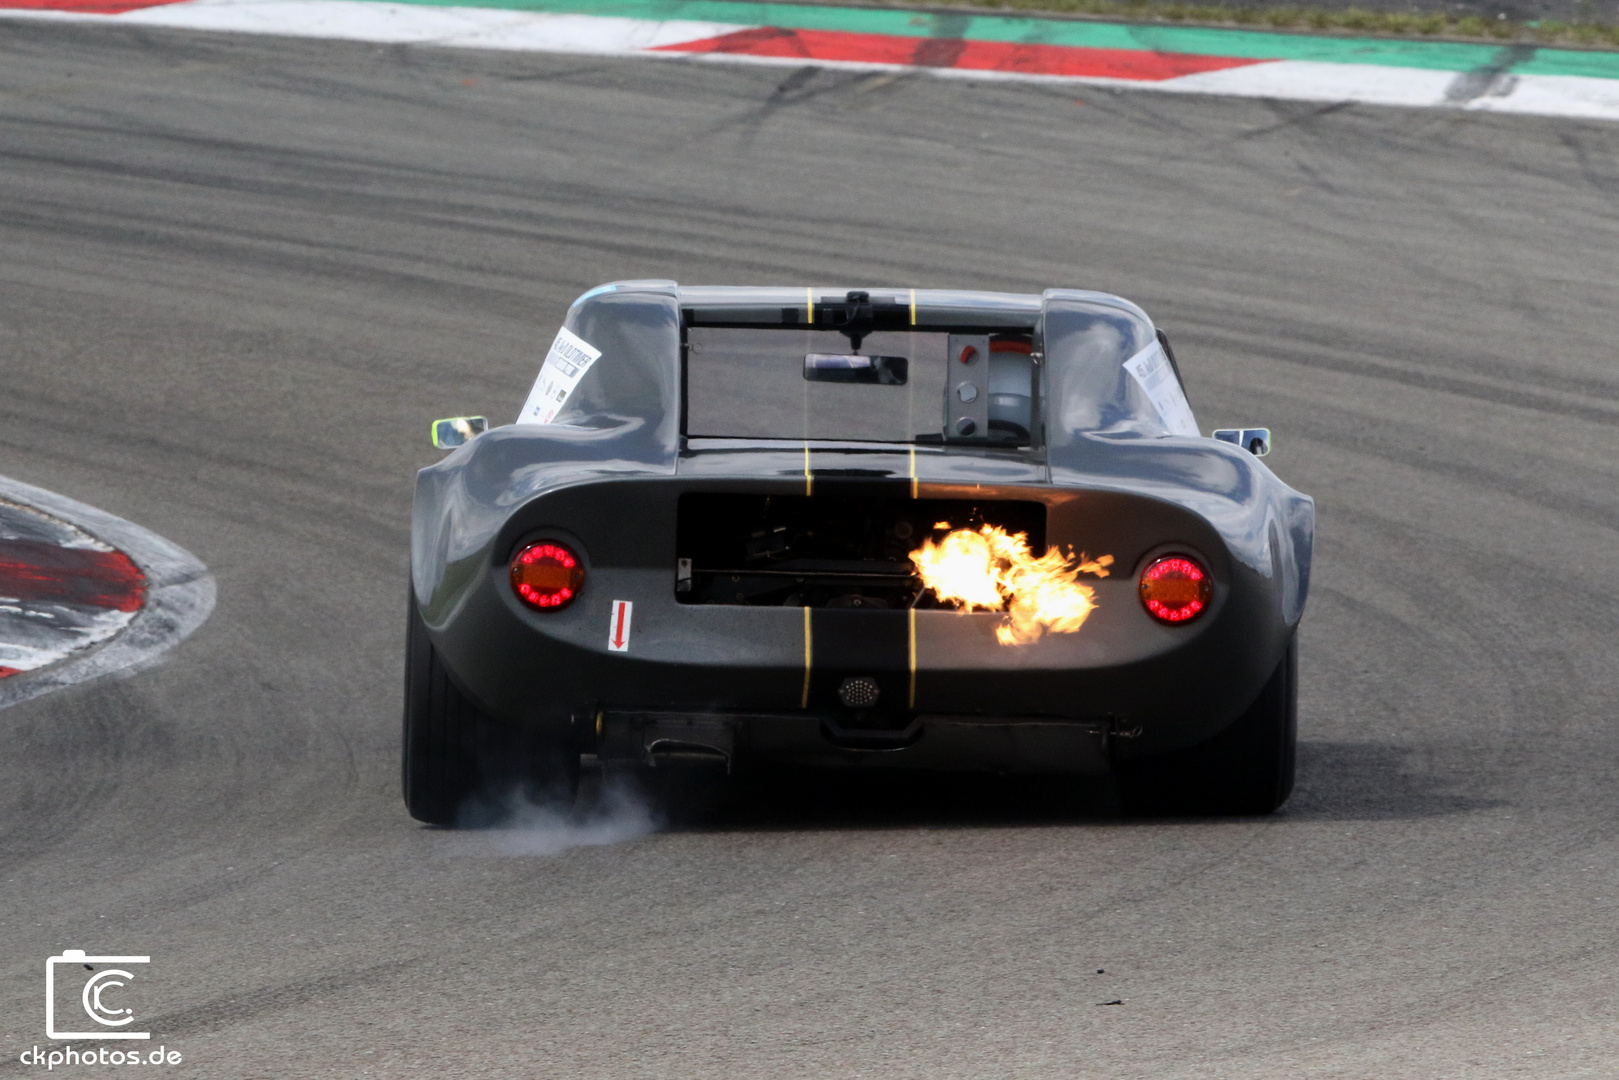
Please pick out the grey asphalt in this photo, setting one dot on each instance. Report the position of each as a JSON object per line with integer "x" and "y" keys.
{"x": 241, "y": 275}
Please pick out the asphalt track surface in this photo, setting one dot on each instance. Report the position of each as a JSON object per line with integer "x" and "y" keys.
{"x": 240, "y": 276}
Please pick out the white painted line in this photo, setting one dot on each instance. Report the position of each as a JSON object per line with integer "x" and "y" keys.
{"x": 460, "y": 27}
{"x": 1299, "y": 80}
{"x": 1306, "y": 80}
{"x": 1556, "y": 95}
{"x": 179, "y": 596}
{"x": 37, "y": 634}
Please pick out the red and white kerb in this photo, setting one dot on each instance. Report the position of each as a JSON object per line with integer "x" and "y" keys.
{"x": 61, "y": 590}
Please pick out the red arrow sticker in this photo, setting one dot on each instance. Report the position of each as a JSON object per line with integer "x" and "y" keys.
{"x": 618, "y": 631}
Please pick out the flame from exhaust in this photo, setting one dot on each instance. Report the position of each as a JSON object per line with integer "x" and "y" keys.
{"x": 995, "y": 570}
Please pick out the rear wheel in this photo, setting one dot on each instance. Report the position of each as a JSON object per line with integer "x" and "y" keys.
{"x": 461, "y": 766}
{"x": 1245, "y": 769}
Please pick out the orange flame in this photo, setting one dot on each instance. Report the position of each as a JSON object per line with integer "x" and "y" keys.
{"x": 995, "y": 570}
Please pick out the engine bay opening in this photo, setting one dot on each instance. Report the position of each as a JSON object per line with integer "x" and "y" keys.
{"x": 825, "y": 551}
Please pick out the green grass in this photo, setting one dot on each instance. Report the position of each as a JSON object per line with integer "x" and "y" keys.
{"x": 1437, "y": 25}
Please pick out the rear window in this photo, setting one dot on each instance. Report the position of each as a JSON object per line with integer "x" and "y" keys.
{"x": 896, "y": 386}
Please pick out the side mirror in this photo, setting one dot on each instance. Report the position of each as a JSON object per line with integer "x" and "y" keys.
{"x": 1255, "y": 440}
{"x": 457, "y": 431}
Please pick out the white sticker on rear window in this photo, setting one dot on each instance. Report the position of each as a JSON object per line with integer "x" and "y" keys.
{"x": 1152, "y": 371}
{"x": 570, "y": 357}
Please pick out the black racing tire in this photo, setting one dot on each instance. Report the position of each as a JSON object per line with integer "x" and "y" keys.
{"x": 437, "y": 771}
{"x": 1245, "y": 769}
{"x": 460, "y": 766}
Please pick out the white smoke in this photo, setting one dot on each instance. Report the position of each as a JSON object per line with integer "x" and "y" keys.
{"x": 607, "y": 812}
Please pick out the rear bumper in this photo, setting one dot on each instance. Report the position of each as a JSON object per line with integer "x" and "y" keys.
{"x": 932, "y": 742}
{"x": 1178, "y": 686}
{"x": 1170, "y": 686}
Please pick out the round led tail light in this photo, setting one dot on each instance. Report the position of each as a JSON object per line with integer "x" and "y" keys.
{"x": 1175, "y": 589}
{"x": 546, "y": 575}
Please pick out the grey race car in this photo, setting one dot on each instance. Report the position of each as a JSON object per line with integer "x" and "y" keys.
{"x": 864, "y": 529}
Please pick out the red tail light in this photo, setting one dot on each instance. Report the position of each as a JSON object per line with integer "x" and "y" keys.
{"x": 1175, "y": 589}
{"x": 546, "y": 575}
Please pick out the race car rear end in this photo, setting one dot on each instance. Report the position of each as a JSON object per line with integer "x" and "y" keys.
{"x": 755, "y": 595}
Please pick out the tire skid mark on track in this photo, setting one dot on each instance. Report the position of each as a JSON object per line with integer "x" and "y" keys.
{"x": 1601, "y": 410}
{"x": 253, "y": 1004}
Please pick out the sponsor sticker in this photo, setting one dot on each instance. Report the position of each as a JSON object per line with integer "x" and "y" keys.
{"x": 570, "y": 357}
{"x": 618, "y": 630}
{"x": 1153, "y": 373}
